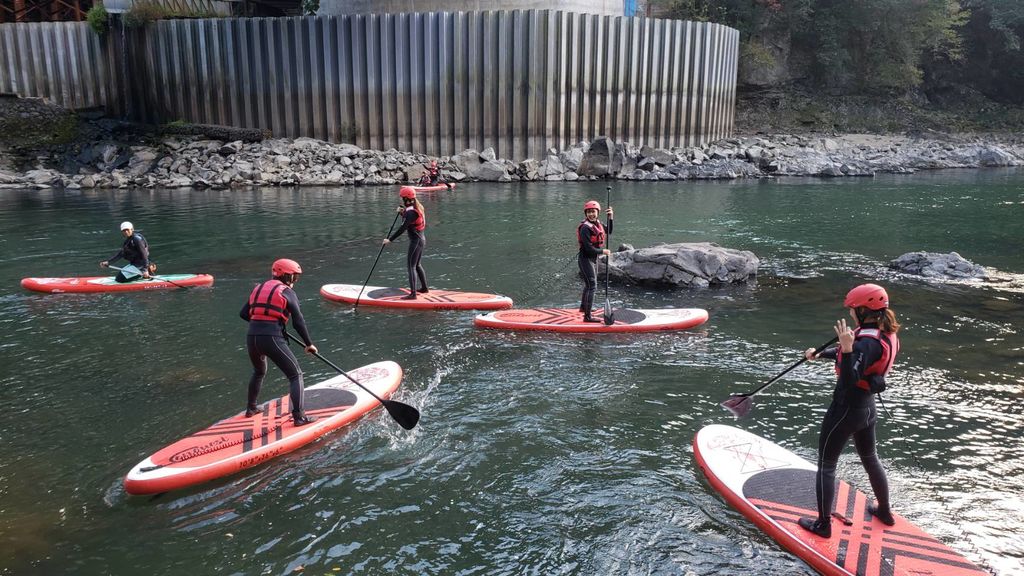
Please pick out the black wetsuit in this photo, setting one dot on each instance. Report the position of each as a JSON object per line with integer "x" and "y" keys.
{"x": 136, "y": 251}
{"x": 435, "y": 176}
{"x": 587, "y": 260}
{"x": 852, "y": 414}
{"x": 266, "y": 339}
{"x": 417, "y": 241}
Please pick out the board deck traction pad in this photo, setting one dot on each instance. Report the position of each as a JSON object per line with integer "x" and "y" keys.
{"x": 187, "y": 461}
{"x": 260, "y": 429}
{"x": 435, "y": 298}
{"x": 570, "y": 319}
{"x": 781, "y": 492}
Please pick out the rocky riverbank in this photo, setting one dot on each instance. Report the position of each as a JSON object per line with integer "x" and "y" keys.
{"x": 109, "y": 157}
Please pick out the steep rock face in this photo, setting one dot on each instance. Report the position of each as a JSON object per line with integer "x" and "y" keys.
{"x": 699, "y": 264}
{"x": 937, "y": 265}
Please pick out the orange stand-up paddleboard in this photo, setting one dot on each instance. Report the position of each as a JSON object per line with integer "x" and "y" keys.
{"x": 774, "y": 487}
{"x": 568, "y": 320}
{"x": 107, "y": 283}
{"x": 435, "y": 299}
{"x": 239, "y": 442}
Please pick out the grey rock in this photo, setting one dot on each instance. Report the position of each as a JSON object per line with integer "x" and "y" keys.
{"x": 938, "y": 265}
{"x": 467, "y": 161}
{"x": 599, "y": 158}
{"x": 573, "y": 157}
{"x": 994, "y": 156}
{"x": 488, "y": 155}
{"x": 551, "y": 166}
{"x": 230, "y": 148}
{"x": 657, "y": 155}
{"x": 686, "y": 264}
{"x": 490, "y": 171}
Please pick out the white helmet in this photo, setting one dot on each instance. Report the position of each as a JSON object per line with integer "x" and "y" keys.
{"x": 126, "y": 225}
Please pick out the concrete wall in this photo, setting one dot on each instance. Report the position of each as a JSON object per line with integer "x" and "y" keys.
{"x": 340, "y": 7}
{"x": 438, "y": 83}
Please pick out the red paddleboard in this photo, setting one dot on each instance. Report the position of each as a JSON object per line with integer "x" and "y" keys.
{"x": 107, "y": 283}
{"x": 567, "y": 320}
{"x": 434, "y": 188}
{"x": 238, "y": 442}
{"x": 435, "y": 299}
{"x": 774, "y": 487}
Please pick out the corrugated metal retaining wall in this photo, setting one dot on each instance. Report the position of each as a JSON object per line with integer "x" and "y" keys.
{"x": 436, "y": 83}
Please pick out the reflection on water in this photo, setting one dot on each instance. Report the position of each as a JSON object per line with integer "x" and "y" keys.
{"x": 537, "y": 453}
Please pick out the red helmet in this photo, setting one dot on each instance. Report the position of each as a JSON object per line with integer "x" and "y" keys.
{"x": 285, "y": 266}
{"x": 592, "y": 204}
{"x": 871, "y": 296}
{"x": 407, "y": 192}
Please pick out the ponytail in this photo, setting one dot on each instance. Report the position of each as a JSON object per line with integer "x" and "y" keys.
{"x": 888, "y": 322}
{"x": 419, "y": 207}
{"x": 885, "y": 318}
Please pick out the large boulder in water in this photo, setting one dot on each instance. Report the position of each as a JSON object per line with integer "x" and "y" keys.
{"x": 936, "y": 265}
{"x": 698, "y": 264}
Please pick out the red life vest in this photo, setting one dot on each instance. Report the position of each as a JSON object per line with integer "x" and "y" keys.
{"x": 595, "y": 232}
{"x": 890, "y": 348}
{"x": 267, "y": 303}
{"x": 420, "y": 223}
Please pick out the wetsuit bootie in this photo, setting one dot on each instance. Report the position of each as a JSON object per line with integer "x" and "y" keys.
{"x": 589, "y": 318}
{"x": 250, "y": 412}
{"x": 423, "y": 290}
{"x": 883, "y": 517}
{"x": 303, "y": 420}
{"x": 823, "y": 529}
{"x": 409, "y": 296}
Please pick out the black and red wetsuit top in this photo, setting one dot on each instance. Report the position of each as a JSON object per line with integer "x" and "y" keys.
{"x": 873, "y": 355}
{"x": 592, "y": 237}
{"x": 269, "y": 308}
{"x": 414, "y": 222}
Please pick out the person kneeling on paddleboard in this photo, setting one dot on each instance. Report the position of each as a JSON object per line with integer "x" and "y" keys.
{"x": 435, "y": 173}
{"x": 270, "y": 306}
{"x": 425, "y": 178}
{"x": 415, "y": 222}
{"x": 591, "y": 236}
{"x": 136, "y": 251}
{"x": 863, "y": 358}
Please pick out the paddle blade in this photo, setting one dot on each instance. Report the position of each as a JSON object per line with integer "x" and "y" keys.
{"x": 739, "y": 405}
{"x": 609, "y": 316}
{"x": 406, "y": 416}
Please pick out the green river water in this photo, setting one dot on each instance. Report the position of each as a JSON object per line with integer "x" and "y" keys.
{"x": 537, "y": 453}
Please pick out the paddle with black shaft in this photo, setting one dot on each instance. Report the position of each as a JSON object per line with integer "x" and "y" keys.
{"x": 405, "y": 415}
{"x": 379, "y": 252}
{"x": 151, "y": 276}
{"x": 740, "y": 404}
{"x": 609, "y": 316}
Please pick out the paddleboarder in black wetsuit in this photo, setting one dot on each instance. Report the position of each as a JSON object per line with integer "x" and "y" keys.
{"x": 591, "y": 236}
{"x": 135, "y": 250}
{"x": 863, "y": 358}
{"x": 414, "y": 223}
{"x": 435, "y": 173}
{"x": 270, "y": 306}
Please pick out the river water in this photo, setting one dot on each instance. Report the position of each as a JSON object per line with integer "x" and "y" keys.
{"x": 537, "y": 453}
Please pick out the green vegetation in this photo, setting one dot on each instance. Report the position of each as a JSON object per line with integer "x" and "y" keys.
{"x": 144, "y": 12}
{"x": 942, "y": 49}
{"x": 98, "y": 19}
{"x": 310, "y": 7}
